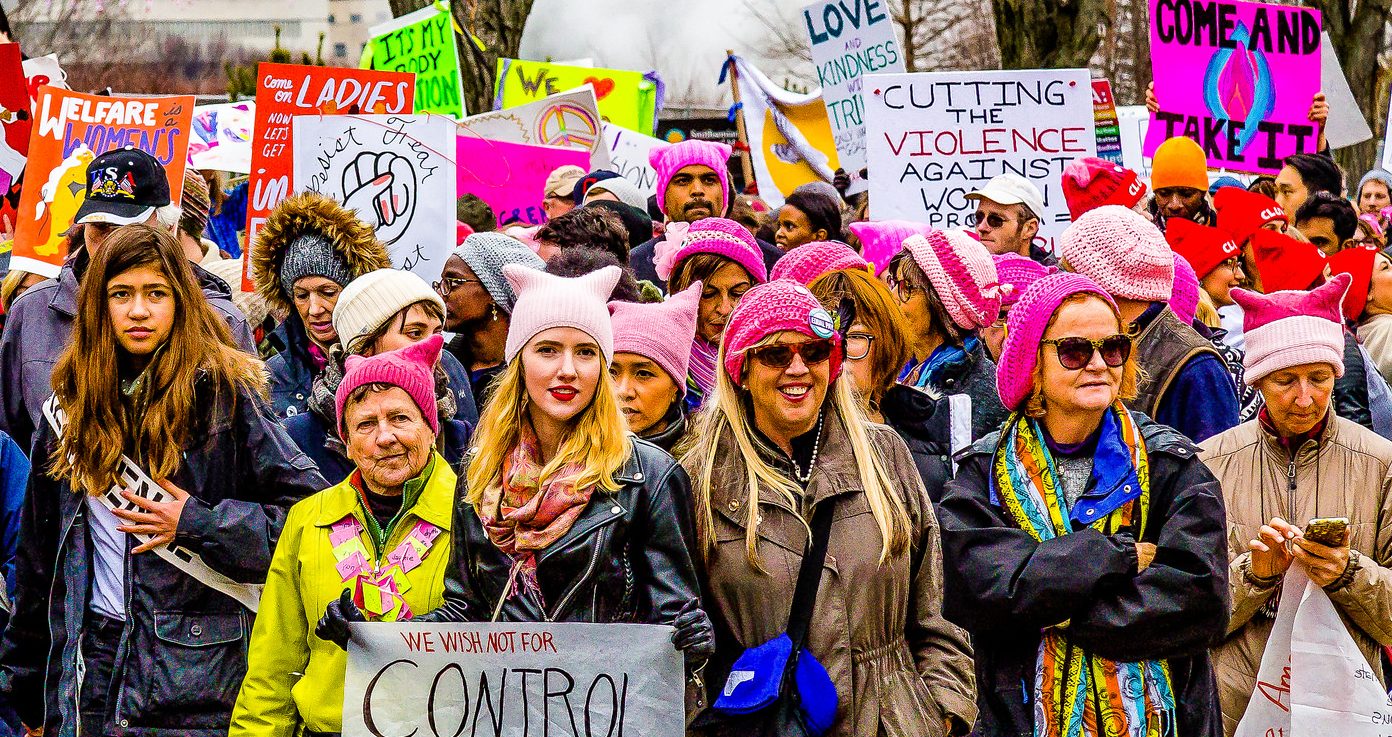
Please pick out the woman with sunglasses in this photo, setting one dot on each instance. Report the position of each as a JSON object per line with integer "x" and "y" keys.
{"x": 785, "y": 439}
{"x": 948, "y": 290}
{"x": 1086, "y": 543}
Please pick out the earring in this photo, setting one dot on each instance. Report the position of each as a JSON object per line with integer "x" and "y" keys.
{"x": 494, "y": 309}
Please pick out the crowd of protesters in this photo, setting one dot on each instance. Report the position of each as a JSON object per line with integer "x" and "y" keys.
{"x": 991, "y": 489}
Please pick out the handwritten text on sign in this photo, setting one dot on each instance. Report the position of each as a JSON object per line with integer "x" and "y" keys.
{"x": 422, "y": 43}
{"x": 934, "y": 137}
{"x": 513, "y": 679}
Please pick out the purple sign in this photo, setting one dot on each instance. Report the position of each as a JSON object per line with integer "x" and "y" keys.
{"x": 1237, "y": 77}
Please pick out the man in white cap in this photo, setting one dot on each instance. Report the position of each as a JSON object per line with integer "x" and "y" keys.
{"x": 556, "y": 198}
{"x": 1007, "y": 216}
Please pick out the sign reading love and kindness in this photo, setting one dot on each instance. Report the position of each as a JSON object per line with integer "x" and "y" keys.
{"x": 513, "y": 680}
{"x": 1237, "y": 77}
{"x": 850, "y": 38}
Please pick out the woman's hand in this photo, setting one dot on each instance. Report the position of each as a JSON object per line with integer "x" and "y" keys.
{"x": 1270, "y": 555}
{"x": 1152, "y": 103}
{"x": 1324, "y": 563}
{"x": 333, "y": 626}
{"x": 160, "y": 520}
{"x": 695, "y": 636}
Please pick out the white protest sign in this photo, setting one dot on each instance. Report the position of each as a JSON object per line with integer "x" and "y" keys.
{"x": 222, "y": 136}
{"x": 628, "y": 156}
{"x": 850, "y": 39}
{"x": 1346, "y": 125}
{"x": 396, "y": 171}
{"x": 570, "y": 119}
{"x": 932, "y": 138}
{"x": 511, "y": 679}
{"x": 1134, "y": 121}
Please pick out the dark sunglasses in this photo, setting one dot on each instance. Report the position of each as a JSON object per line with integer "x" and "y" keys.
{"x": 1076, "y": 353}
{"x": 780, "y": 355}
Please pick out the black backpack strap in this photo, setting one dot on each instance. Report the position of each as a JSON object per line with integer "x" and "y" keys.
{"x": 810, "y": 576}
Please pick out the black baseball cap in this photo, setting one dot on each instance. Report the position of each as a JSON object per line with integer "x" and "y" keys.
{"x": 124, "y": 187}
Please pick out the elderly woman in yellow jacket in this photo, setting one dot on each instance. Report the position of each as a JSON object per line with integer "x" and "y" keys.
{"x": 381, "y": 539}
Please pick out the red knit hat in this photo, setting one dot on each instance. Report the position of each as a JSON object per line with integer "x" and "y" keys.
{"x": 1286, "y": 264}
{"x": 1242, "y": 213}
{"x": 1091, "y": 182}
{"x": 1358, "y": 264}
{"x": 1203, "y": 247}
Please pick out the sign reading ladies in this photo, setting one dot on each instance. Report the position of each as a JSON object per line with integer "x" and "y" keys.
{"x": 513, "y": 680}
{"x": 935, "y": 137}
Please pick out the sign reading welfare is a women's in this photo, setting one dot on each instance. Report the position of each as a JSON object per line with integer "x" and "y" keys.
{"x": 1237, "y": 77}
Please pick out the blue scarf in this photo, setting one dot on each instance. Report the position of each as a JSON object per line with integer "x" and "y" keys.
{"x": 929, "y": 373}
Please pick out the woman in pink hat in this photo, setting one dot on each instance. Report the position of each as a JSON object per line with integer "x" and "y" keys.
{"x": 949, "y": 290}
{"x": 650, "y": 364}
{"x": 1086, "y": 544}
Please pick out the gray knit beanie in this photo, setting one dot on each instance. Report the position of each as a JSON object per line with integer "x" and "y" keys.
{"x": 313, "y": 255}
{"x": 487, "y": 254}
{"x": 1380, "y": 175}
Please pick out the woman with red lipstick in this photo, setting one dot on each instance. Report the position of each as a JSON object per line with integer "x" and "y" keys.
{"x": 1084, "y": 543}
{"x": 303, "y": 257}
{"x": 113, "y": 631}
{"x": 786, "y": 448}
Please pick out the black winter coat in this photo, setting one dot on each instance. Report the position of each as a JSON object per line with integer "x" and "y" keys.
{"x": 925, "y": 424}
{"x": 627, "y": 557}
{"x": 1004, "y": 587}
{"x": 183, "y": 650}
{"x": 975, "y": 377}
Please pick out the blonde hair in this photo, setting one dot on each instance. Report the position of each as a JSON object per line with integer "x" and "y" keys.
{"x": 598, "y": 440}
{"x": 726, "y": 413}
{"x": 1207, "y": 311}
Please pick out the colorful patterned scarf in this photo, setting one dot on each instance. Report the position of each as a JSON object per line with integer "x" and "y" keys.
{"x": 700, "y": 374}
{"x": 524, "y": 516}
{"x": 1077, "y": 693}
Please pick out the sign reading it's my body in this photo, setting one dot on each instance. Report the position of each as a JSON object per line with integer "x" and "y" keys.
{"x": 513, "y": 680}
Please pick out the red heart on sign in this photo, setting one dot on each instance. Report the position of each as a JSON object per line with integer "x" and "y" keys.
{"x": 602, "y": 87}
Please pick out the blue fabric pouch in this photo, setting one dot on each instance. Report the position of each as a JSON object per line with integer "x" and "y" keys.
{"x": 758, "y": 675}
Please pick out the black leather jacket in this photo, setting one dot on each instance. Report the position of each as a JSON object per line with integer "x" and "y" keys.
{"x": 627, "y": 558}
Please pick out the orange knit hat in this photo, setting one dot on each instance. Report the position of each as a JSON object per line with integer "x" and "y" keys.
{"x": 1179, "y": 162}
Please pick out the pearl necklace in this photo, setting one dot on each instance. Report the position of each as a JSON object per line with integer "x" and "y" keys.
{"x": 816, "y": 446}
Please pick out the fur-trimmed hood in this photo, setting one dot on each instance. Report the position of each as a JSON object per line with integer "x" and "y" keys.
{"x": 303, "y": 213}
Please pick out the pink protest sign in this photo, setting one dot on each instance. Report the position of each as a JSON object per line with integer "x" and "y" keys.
{"x": 1237, "y": 77}
{"x": 511, "y": 177}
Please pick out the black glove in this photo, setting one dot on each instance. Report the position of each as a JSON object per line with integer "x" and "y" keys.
{"x": 333, "y": 626}
{"x": 841, "y": 181}
{"x": 695, "y": 636}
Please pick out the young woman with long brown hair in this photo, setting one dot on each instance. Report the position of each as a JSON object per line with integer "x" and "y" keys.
{"x": 150, "y": 386}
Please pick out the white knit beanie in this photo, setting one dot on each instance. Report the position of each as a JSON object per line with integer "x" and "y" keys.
{"x": 370, "y": 300}
{"x": 546, "y": 301}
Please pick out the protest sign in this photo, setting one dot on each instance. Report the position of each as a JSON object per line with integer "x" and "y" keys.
{"x": 423, "y": 43}
{"x": 43, "y": 70}
{"x": 1238, "y": 78}
{"x": 1133, "y": 121}
{"x": 1104, "y": 122}
{"x": 69, "y": 130}
{"x": 513, "y": 679}
{"x": 222, "y": 137}
{"x": 789, "y": 134}
{"x": 510, "y": 177}
{"x": 15, "y": 118}
{"x": 935, "y": 137}
{"x": 568, "y": 119}
{"x": 849, "y": 40}
{"x": 625, "y": 98}
{"x": 628, "y": 156}
{"x": 395, "y": 171}
{"x": 1346, "y": 125}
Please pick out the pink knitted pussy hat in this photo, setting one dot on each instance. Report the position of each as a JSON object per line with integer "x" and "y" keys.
{"x": 1184, "y": 298}
{"x": 661, "y": 332}
{"x": 1019, "y": 272}
{"x": 1121, "y": 251}
{"x": 882, "y": 240}
{"x": 546, "y": 301}
{"x": 412, "y": 368}
{"x": 811, "y": 260}
{"x": 1028, "y": 319}
{"x": 668, "y": 160}
{"x": 962, "y": 274}
{"x": 1285, "y": 329}
{"x": 720, "y": 236}
{"x": 772, "y": 308}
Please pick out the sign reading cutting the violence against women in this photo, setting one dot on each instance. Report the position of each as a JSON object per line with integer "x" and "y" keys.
{"x": 423, "y": 43}
{"x": 513, "y": 680}
{"x": 850, "y": 39}
{"x": 1237, "y": 77}
{"x": 935, "y": 137}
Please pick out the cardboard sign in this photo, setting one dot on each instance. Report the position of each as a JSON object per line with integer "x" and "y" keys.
{"x": 849, "y": 40}
{"x": 15, "y": 119}
{"x": 1346, "y": 125}
{"x": 70, "y": 129}
{"x": 222, "y": 137}
{"x": 935, "y": 137}
{"x": 513, "y": 679}
{"x": 423, "y": 43}
{"x": 625, "y": 98}
{"x": 568, "y": 119}
{"x": 395, "y": 171}
{"x": 628, "y": 156}
{"x": 510, "y": 177}
{"x": 1238, "y": 78}
{"x": 1104, "y": 122}
{"x": 286, "y": 90}
{"x": 790, "y": 137}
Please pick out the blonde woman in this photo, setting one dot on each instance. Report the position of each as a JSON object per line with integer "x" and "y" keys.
{"x": 785, "y": 438}
{"x": 567, "y": 517}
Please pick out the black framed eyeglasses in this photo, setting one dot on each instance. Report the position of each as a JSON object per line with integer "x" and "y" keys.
{"x": 447, "y": 285}
{"x": 1075, "y": 353}
{"x": 858, "y": 346}
{"x": 903, "y": 288}
{"x": 780, "y": 355}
